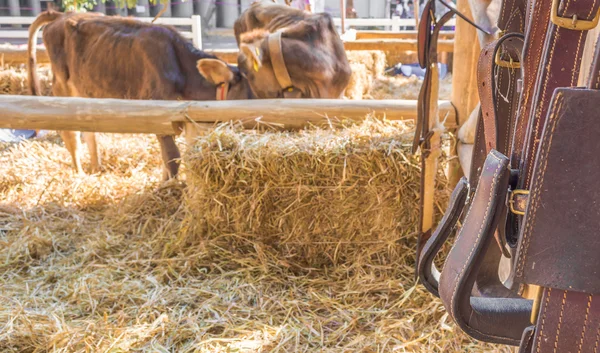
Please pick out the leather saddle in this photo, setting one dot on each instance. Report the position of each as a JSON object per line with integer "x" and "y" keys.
{"x": 525, "y": 264}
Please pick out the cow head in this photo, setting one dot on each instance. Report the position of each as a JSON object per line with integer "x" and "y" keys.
{"x": 303, "y": 60}
{"x": 230, "y": 82}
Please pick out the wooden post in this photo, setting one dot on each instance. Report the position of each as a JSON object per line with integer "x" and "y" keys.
{"x": 343, "y": 15}
{"x": 464, "y": 94}
{"x": 197, "y": 31}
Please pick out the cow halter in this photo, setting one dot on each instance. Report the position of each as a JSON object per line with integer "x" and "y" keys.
{"x": 281, "y": 73}
{"x": 222, "y": 90}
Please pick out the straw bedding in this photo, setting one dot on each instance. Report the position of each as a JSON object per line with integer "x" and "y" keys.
{"x": 314, "y": 254}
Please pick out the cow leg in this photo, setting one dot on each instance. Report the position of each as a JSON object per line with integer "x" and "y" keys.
{"x": 70, "y": 138}
{"x": 170, "y": 156}
{"x": 73, "y": 145}
{"x": 90, "y": 141}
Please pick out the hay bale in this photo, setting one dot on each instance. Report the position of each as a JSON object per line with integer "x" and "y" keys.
{"x": 402, "y": 87}
{"x": 109, "y": 263}
{"x": 374, "y": 60}
{"x": 320, "y": 197}
{"x": 13, "y": 80}
{"x": 366, "y": 66}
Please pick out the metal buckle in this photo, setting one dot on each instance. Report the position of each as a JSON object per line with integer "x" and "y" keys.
{"x": 511, "y": 200}
{"x": 503, "y": 63}
{"x": 572, "y": 23}
{"x": 534, "y": 292}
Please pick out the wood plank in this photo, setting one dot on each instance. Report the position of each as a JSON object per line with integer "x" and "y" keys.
{"x": 169, "y": 117}
{"x": 18, "y": 55}
{"x": 360, "y": 35}
{"x": 446, "y": 45}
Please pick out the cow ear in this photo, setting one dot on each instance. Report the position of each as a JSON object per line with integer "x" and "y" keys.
{"x": 215, "y": 71}
{"x": 253, "y": 53}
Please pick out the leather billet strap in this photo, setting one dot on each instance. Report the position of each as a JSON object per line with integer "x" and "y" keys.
{"x": 498, "y": 70}
{"x": 512, "y": 16}
{"x": 428, "y": 273}
{"x": 535, "y": 34}
{"x": 279, "y": 68}
{"x": 563, "y": 50}
{"x": 568, "y": 321}
{"x": 497, "y": 320}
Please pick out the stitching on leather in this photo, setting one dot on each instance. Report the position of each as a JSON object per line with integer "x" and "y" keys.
{"x": 504, "y": 9}
{"x": 566, "y": 6}
{"x": 534, "y": 68}
{"x": 560, "y": 317}
{"x": 538, "y": 109}
{"x": 577, "y": 62}
{"x": 545, "y": 150}
{"x": 587, "y": 313}
{"x": 597, "y": 340}
{"x": 468, "y": 258}
{"x": 539, "y": 340}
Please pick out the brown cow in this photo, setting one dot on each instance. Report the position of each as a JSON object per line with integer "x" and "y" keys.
{"x": 285, "y": 49}
{"x": 98, "y": 56}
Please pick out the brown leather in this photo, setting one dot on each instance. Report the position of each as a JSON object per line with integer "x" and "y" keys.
{"x": 497, "y": 320}
{"x": 428, "y": 273}
{"x": 560, "y": 246}
{"x": 563, "y": 49}
{"x": 497, "y": 90}
{"x": 526, "y": 345}
{"x": 535, "y": 35}
{"x": 512, "y": 16}
{"x": 559, "y": 68}
{"x": 568, "y": 321}
{"x": 279, "y": 68}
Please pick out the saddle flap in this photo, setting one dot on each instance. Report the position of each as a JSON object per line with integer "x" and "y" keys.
{"x": 559, "y": 243}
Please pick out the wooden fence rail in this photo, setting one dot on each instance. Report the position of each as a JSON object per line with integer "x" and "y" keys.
{"x": 169, "y": 117}
{"x": 18, "y": 55}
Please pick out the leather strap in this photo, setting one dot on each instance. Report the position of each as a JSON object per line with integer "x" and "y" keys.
{"x": 559, "y": 68}
{"x": 567, "y": 322}
{"x": 497, "y": 320}
{"x": 512, "y": 16}
{"x": 569, "y": 310}
{"x": 497, "y": 72}
{"x": 281, "y": 73}
{"x": 535, "y": 35}
{"x": 222, "y": 90}
{"x": 428, "y": 273}
{"x": 279, "y": 68}
{"x": 427, "y": 135}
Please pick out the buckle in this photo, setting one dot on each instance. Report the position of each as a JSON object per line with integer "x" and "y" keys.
{"x": 511, "y": 64}
{"x": 533, "y": 292}
{"x": 511, "y": 200}
{"x": 572, "y": 23}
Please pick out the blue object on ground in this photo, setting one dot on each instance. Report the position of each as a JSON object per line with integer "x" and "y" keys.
{"x": 12, "y": 135}
{"x": 414, "y": 69}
